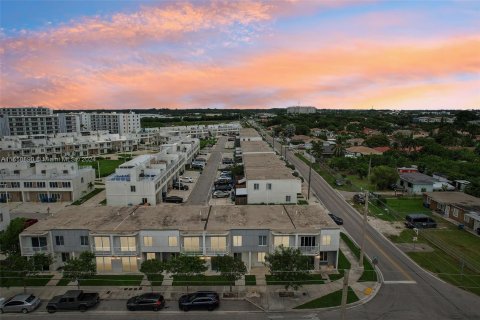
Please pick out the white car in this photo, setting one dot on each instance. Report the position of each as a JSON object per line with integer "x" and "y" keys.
{"x": 186, "y": 179}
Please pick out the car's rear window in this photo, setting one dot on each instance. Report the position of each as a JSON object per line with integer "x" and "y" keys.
{"x": 30, "y": 299}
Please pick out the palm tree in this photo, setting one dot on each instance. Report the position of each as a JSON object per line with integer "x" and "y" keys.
{"x": 338, "y": 150}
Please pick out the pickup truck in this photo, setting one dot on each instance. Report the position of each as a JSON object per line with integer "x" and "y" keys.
{"x": 73, "y": 300}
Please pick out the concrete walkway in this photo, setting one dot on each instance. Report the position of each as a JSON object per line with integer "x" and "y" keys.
{"x": 96, "y": 199}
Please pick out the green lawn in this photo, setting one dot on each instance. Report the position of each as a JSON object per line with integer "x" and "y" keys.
{"x": 369, "y": 273}
{"x": 63, "y": 282}
{"x": 397, "y": 208}
{"x": 330, "y": 300}
{"x": 205, "y": 142}
{"x": 456, "y": 255}
{"x": 86, "y": 197}
{"x": 112, "y": 280}
{"x": 155, "y": 279}
{"x": 311, "y": 279}
{"x": 200, "y": 280}
{"x": 250, "y": 280}
{"x": 107, "y": 167}
{"x": 11, "y": 279}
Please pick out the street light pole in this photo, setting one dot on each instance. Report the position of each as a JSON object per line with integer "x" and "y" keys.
{"x": 364, "y": 227}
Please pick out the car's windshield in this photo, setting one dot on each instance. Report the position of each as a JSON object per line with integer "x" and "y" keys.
{"x": 30, "y": 299}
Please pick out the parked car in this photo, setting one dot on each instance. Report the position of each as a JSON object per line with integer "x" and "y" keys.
{"x": 359, "y": 198}
{"x": 173, "y": 199}
{"x": 227, "y": 161}
{"x": 20, "y": 303}
{"x": 147, "y": 301}
{"x": 336, "y": 219}
{"x": 197, "y": 166}
{"x": 223, "y": 187}
{"x": 221, "y": 194}
{"x": 223, "y": 181}
{"x": 73, "y": 300}
{"x": 420, "y": 221}
{"x": 186, "y": 179}
{"x": 180, "y": 186}
{"x": 199, "y": 300}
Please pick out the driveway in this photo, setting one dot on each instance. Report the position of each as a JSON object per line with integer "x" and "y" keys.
{"x": 201, "y": 193}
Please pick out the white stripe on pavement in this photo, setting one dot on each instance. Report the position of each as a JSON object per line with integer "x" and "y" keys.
{"x": 400, "y": 282}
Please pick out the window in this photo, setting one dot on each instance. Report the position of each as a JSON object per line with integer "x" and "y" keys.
{"x": 102, "y": 243}
{"x": 104, "y": 264}
{"x": 65, "y": 256}
{"x": 323, "y": 256}
{"x": 128, "y": 244}
{"x": 28, "y": 184}
{"x": 218, "y": 243}
{"x": 129, "y": 264}
{"x": 53, "y": 184}
{"x": 261, "y": 256}
{"x": 466, "y": 219}
{"x": 132, "y": 188}
{"x": 308, "y": 241}
{"x": 16, "y": 171}
{"x": 147, "y": 241}
{"x": 191, "y": 243}
{"x": 262, "y": 240}
{"x": 66, "y": 184}
{"x": 455, "y": 212}
{"x": 59, "y": 240}
{"x": 84, "y": 241}
{"x": 81, "y": 180}
{"x": 288, "y": 198}
{"x": 269, "y": 186}
{"x": 1, "y": 217}
{"x": 41, "y": 184}
{"x": 38, "y": 242}
{"x": 237, "y": 241}
{"x": 326, "y": 240}
{"x": 281, "y": 240}
{"x": 65, "y": 171}
{"x": 256, "y": 186}
{"x": 151, "y": 256}
{"x": 172, "y": 241}
{"x": 44, "y": 171}
{"x": 237, "y": 255}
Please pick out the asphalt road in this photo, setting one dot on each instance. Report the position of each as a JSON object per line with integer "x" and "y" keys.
{"x": 408, "y": 291}
{"x": 203, "y": 188}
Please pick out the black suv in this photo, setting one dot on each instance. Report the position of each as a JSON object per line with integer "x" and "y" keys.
{"x": 336, "y": 219}
{"x": 147, "y": 301}
{"x": 199, "y": 300}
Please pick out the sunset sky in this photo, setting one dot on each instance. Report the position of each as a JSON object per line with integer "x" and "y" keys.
{"x": 240, "y": 54}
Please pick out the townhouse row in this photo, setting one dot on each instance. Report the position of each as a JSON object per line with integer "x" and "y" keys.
{"x": 44, "y": 181}
{"x": 146, "y": 179}
{"x": 122, "y": 238}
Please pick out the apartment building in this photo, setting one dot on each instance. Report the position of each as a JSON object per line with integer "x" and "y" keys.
{"x": 146, "y": 178}
{"x": 64, "y": 145}
{"x": 44, "y": 181}
{"x": 122, "y": 238}
{"x": 36, "y": 120}
{"x": 301, "y": 110}
{"x": 202, "y": 131}
{"x": 121, "y": 123}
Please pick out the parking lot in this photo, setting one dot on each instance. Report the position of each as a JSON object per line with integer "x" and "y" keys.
{"x": 185, "y": 194}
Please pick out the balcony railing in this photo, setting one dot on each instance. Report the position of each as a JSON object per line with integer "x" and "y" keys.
{"x": 304, "y": 249}
{"x": 192, "y": 251}
{"x": 33, "y": 250}
{"x": 117, "y": 251}
{"x": 214, "y": 251}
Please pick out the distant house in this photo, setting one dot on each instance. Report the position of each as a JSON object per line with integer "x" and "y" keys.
{"x": 359, "y": 151}
{"x": 370, "y": 132}
{"x": 4, "y": 218}
{"x": 407, "y": 169}
{"x": 416, "y": 183}
{"x": 355, "y": 141}
{"x": 461, "y": 184}
{"x": 382, "y": 149}
{"x": 457, "y": 206}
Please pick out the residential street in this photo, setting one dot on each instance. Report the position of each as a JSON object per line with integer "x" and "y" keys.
{"x": 408, "y": 292}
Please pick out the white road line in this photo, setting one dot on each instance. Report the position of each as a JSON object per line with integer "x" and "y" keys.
{"x": 400, "y": 282}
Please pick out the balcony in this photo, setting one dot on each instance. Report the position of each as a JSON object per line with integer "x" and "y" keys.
{"x": 30, "y": 251}
{"x": 192, "y": 251}
{"x": 307, "y": 250}
{"x": 117, "y": 251}
{"x": 215, "y": 251}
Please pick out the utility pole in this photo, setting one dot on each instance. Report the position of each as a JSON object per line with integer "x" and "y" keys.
{"x": 98, "y": 166}
{"x": 344, "y": 292}
{"x": 309, "y": 180}
{"x": 369, "y": 168}
{"x": 364, "y": 227}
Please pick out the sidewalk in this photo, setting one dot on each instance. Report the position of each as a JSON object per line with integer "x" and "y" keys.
{"x": 261, "y": 296}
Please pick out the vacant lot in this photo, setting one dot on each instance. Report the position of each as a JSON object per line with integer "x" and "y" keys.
{"x": 107, "y": 167}
{"x": 395, "y": 209}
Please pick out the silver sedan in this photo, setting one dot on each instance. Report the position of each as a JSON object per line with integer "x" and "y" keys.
{"x": 20, "y": 303}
